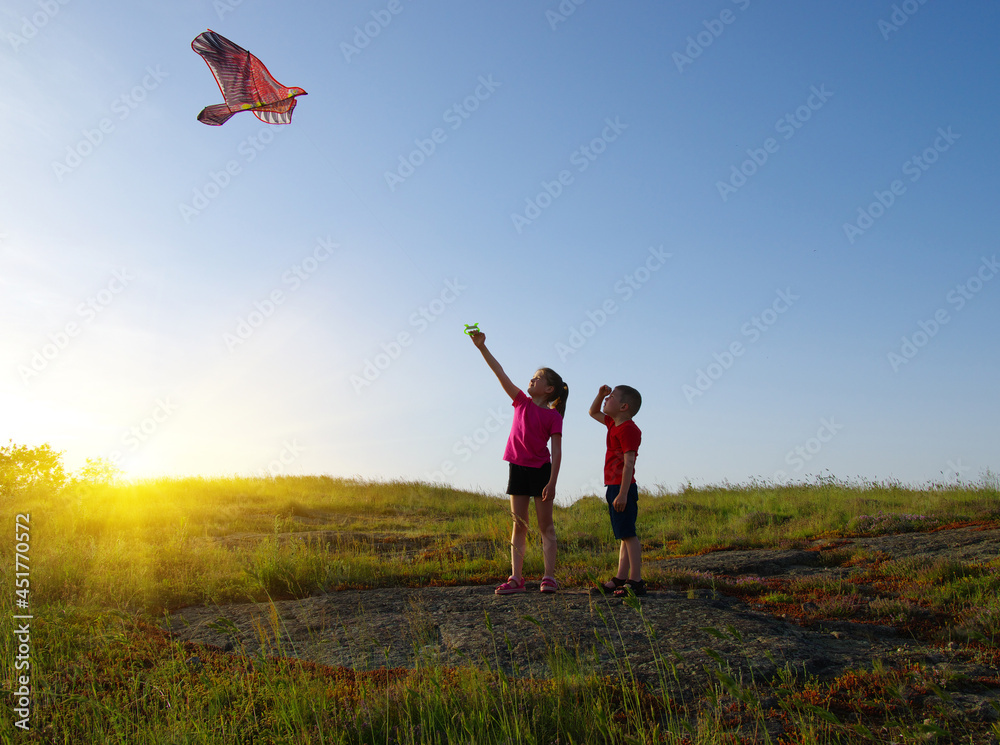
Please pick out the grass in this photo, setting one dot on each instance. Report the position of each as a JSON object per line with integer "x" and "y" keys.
{"x": 108, "y": 559}
{"x": 163, "y": 544}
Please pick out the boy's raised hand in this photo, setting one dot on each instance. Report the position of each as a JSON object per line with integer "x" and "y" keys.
{"x": 478, "y": 338}
{"x": 595, "y": 407}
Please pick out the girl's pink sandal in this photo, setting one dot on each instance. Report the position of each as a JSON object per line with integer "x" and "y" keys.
{"x": 510, "y": 586}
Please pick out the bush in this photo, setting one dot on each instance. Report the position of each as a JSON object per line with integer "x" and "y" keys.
{"x": 26, "y": 469}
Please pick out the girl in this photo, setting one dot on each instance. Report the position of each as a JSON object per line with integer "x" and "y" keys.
{"x": 537, "y": 419}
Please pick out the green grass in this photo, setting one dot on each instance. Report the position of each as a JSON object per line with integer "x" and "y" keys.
{"x": 158, "y": 544}
{"x": 106, "y": 560}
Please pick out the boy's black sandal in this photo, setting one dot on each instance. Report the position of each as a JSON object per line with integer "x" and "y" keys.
{"x": 600, "y": 589}
{"x": 631, "y": 587}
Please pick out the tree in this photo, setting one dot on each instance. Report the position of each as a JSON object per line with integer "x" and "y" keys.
{"x": 23, "y": 468}
{"x": 98, "y": 472}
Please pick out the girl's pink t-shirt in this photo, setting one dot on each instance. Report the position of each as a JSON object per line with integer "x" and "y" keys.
{"x": 530, "y": 432}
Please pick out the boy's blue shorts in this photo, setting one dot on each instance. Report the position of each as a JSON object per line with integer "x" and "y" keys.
{"x": 623, "y": 523}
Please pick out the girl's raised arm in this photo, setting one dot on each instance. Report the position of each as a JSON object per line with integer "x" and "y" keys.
{"x": 479, "y": 339}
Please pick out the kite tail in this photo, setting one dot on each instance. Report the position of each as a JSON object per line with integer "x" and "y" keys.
{"x": 215, "y": 115}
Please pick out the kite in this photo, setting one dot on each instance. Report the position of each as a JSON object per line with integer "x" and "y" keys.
{"x": 472, "y": 328}
{"x": 245, "y": 83}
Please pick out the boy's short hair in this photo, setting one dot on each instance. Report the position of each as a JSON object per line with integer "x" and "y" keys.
{"x": 631, "y": 397}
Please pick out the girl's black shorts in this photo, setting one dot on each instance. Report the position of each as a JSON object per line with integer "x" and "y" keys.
{"x": 527, "y": 481}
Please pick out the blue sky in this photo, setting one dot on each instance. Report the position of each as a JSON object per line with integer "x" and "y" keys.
{"x": 776, "y": 220}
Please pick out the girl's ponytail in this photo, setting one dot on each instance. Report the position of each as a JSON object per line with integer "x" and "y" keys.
{"x": 560, "y": 392}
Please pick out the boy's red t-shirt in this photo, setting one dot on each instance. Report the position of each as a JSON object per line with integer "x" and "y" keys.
{"x": 621, "y": 439}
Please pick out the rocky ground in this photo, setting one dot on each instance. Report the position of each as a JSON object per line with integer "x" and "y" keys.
{"x": 685, "y": 633}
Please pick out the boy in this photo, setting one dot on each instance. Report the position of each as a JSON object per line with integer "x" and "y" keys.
{"x": 620, "y": 405}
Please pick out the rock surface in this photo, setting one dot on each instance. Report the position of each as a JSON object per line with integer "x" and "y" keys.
{"x": 674, "y": 638}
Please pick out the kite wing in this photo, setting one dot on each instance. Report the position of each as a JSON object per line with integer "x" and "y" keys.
{"x": 244, "y": 81}
{"x": 279, "y": 113}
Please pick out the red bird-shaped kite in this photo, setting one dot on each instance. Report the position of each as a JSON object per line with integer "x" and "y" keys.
{"x": 245, "y": 83}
